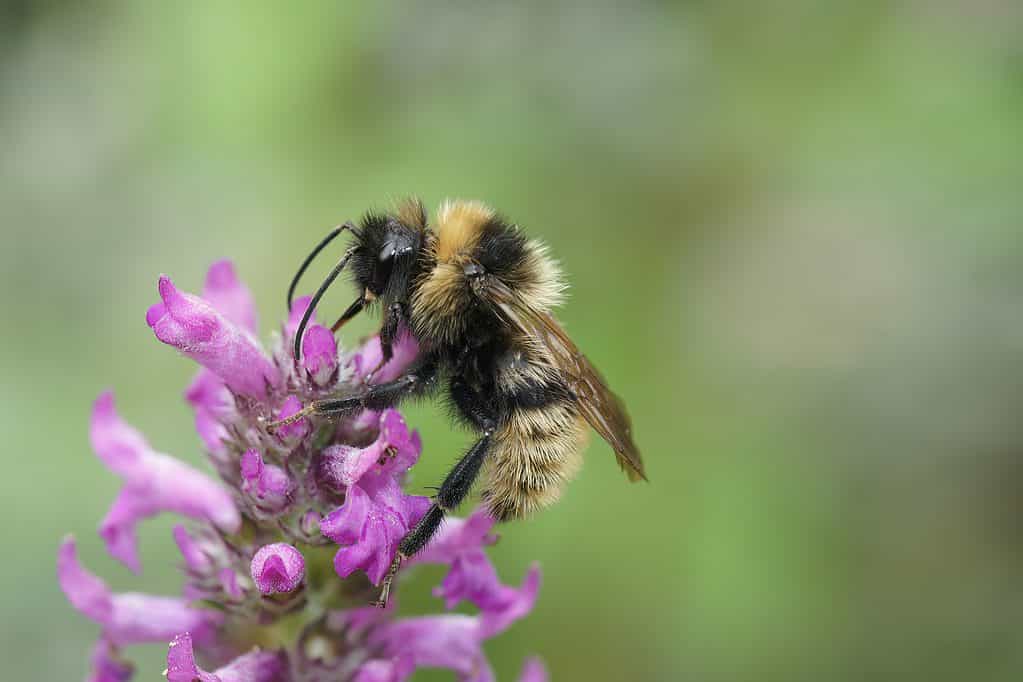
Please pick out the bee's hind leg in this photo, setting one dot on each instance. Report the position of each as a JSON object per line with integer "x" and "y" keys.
{"x": 452, "y": 491}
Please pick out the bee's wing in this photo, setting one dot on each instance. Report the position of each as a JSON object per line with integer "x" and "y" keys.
{"x": 601, "y": 408}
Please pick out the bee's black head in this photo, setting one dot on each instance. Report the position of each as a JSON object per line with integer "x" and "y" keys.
{"x": 384, "y": 261}
{"x": 386, "y": 254}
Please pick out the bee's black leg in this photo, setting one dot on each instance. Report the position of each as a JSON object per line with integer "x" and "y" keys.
{"x": 388, "y": 334}
{"x": 378, "y": 397}
{"x": 354, "y": 309}
{"x": 451, "y": 493}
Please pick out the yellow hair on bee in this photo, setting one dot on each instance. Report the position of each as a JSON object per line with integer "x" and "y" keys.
{"x": 459, "y": 226}
{"x": 543, "y": 286}
{"x": 534, "y": 455}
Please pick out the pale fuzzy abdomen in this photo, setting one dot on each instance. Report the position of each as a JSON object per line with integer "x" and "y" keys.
{"x": 533, "y": 456}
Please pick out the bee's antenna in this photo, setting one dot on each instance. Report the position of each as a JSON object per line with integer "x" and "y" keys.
{"x": 309, "y": 259}
{"x": 317, "y": 296}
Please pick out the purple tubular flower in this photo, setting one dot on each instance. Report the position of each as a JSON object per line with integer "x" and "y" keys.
{"x": 370, "y": 528}
{"x": 533, "y": 671}
{"x": 398, "y": 669}
{"x": 153, "y": 483}
{"x": 128, "y": 617}
{"x": 207, "y": 393}
{"x": 106, "y": 666}
{"x": 194, "y": 327}
{"x": 211, "y": 400}
{"x": 454, "y": 641}
{"x": 278, "y": 568}
{"x": 306, "y": 485}
{"x": 255, "y": 666}
{"x": 266, "y": 484}
{"x": 229, "y": 296}
{"x": 404, "y": 349}
{"x": 459, "y": 543}
{"x": 457, "y": 537}
{"x": 393, "y": 452}
{"x": 319, "y": 354}
{"x": 195, "y": 559}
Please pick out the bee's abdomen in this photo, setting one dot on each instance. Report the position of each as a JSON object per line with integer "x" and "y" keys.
{"x": 535, "y": 452}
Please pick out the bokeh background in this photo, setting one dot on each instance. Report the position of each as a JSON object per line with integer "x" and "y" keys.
{"x": 793, "y": 231}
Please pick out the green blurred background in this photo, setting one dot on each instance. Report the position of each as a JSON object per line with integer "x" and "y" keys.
{"x": 793, "y": 235}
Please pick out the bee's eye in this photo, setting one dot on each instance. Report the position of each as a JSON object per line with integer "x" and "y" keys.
{"x": 382, "y": 273}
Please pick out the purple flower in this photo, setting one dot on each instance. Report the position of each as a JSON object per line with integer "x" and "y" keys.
{"x": 267, "y": 485}
{"x": 390, "y": 455}
{"x": 106, "y": 666}
{"x": 404, "y": 351}
{"x": 153, "y": 483}
{"x": 212, "y": 401}
{"x": 127, "y": 617}
{"x": 229, "y": 296}
{"x": 255, "y": 666}
{"x": 319, "y": 354}
{"x": 533, "y": 671}
{"x": 194, "y": 327}
{"x": 195, "y": 558}
{"x": 397, "y": 669}
{"x": 293, "y": 515}
{"x": 370, "y": 528}
{"x": 376, "y": 513}
{"x": 278, "y": 568}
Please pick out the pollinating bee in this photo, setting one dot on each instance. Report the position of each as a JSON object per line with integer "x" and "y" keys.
{"x": 477, "y": 295}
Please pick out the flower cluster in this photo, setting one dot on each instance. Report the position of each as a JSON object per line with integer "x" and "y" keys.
{"x": 281, "y": 551}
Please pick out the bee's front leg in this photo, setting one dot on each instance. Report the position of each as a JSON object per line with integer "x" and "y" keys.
{"x": 378, "y": 397}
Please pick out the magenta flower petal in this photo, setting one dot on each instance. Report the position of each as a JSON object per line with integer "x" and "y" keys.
{"x": 393, "y": 452}
{"x": 106, "y": 666}
{"x": 267, "y": 485}
{"x": 194, "y": 327}
{"x": 472, "y": 577}
{"x": 195, "y": 559}
{"x": 369, "y": 528}
{"x": 278, "y": 568}
{"x": 451, "y": 641}
{"x": 86, "y": 592}
{"x": 458, "y": 536}
{"x": 129, "y": 617}
{"x": 153, "y": 483}
{"x": 229, "y": 296}
{"x": 455, "y": 641}
{"x": 229, "y": 583}
{"x": 212, "y": 401}
{"x": 344, "y": 524}
{"x": 533, "y": 671}
{"x": 319, "y": 354}
{"x": 404, "y": 351}
{"x": 255, "y": 666}
{"x": 398, "y": 669}
{"x": 181, "y": 665}
{"x": 498, "y": 614}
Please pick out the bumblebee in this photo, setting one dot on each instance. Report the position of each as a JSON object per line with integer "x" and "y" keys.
{"x": 477, "y": 295}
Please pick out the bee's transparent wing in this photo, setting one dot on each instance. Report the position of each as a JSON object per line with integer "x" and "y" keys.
{"x": 601, "y": 408}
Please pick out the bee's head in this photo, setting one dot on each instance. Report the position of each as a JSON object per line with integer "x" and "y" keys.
{"x": 385, "y": 258}
{"x": 384, "y": 261}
